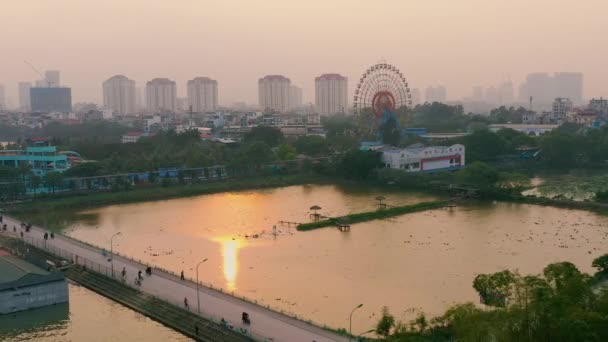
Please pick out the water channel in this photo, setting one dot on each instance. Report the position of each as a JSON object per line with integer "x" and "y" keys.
{"x": 88, "y": 317}
{"x": 424, "y": 261}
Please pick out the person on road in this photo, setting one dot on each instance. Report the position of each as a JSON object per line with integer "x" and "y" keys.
{"x": 196, "y": 329}
{"x": 124, "y": 272}
{"x": 186, "y": 303}
{"x": 46, "y": 236}
{"x": 182, "y": 276}
{"x": 139, "y": 276}
{"x": 52, "y": 235}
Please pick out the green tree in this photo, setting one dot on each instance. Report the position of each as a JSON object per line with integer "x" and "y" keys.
{"x": 254, "y": 153}
{"x": 601, "y": 196}
{"x": 386, "y": 323}
{"x": 495, "y": 289}
{"x": 338, "y": 125}
{"x": 8, "y": 173}
{"x": 562, "y": 149}
{"x": 285, "y": 152}
{"x": 478, "y": 174}
{"x": 87, "y": 169}
{"x": 601, "y": 263}
{"x": 483, "y": 145}
{"x": 35, "y": 182}
{"x": 357, "y": 164}
{"x": 53, "y": 180}
{"x": 311, "y": 145}
{"x": 271, "y": 136}
{"x": 24, "y": 170}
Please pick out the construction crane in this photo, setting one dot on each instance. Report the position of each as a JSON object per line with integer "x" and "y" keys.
{"x": 43, "y": 78}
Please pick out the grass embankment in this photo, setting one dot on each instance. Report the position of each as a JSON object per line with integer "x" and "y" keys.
{"x": 373, "y": 215}
{"x": 73, "y": 202}
{"x": 61, "y": 210}
{"x": 598, "y": 207}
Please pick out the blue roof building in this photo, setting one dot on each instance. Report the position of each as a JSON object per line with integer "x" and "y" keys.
{"x": 40, "y": 156}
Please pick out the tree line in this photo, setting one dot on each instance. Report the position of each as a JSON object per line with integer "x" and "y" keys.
{"x": 561, "y": 304}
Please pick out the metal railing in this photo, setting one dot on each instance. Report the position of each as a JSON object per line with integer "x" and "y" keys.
{"x": 106, "y": 270}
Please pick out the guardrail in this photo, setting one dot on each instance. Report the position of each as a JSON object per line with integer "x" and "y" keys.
{"x": 276, "y": 313}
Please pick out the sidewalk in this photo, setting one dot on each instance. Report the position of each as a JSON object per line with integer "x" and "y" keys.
{"x": 266, "y": 324}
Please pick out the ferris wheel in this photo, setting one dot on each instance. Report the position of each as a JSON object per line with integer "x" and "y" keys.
{"x": 382, "y": 88}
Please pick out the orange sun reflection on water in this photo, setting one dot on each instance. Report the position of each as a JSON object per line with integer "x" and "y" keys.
{"x": 230, "y": 259}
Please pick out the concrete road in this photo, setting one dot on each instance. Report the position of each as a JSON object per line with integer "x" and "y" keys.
{"x": 266, "y": 324}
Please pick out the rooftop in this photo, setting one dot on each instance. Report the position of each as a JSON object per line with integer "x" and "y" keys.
{"x": 273, "y": 78}
{"x": 331, "y": 77}
{"x": 15, "y": 272}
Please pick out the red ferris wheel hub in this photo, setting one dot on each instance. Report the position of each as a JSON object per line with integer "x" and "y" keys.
{"x": 383, "y": 100}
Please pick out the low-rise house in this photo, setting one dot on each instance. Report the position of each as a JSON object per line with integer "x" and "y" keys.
{"x": 24, "y": 286}
{"x": 529, "y": 129}
{"x": 418, "y": 158}
{"x": 132, "y": 137}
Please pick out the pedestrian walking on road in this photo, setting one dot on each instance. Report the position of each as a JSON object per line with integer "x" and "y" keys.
{"x": 52, "y": 235}
{"x": 186, "y": 303}
{"x": 196, "y": 329}
{"x": 139, "y": 275}
{"x": 46, "y": 236}
{"x": 182, "y": 276}
{"x": 124, "y": 272}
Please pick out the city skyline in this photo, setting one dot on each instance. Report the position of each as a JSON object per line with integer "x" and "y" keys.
{"x": 237, "y": 55}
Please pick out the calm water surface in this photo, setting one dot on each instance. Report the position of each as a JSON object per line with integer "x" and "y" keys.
{"x": 88, "y": 317}
{"x": 425, "y": 261}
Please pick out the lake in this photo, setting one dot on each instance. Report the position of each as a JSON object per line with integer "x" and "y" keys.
{"x": 425, "y": 261}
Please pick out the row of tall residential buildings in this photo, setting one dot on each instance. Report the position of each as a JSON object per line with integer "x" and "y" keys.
{"x": 275, "y": 94}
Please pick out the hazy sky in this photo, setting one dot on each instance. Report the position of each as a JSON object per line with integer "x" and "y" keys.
{"x": 458, "y": 43}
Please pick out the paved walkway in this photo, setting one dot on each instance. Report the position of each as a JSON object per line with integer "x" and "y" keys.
{"x": 266, "y": 324}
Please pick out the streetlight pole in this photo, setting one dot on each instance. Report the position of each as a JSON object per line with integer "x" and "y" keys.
{"x": 198, "y": 301}
{"x": 112, "y": 252}
{"x": 350, "y": 320}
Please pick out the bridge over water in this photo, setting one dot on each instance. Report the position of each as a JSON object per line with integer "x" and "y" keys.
{"x": 266, "y": 324}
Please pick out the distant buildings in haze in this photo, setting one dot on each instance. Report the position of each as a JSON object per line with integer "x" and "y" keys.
{"x": 544, "y": 88}
{"x": 119, "y": 94}
{"x": 273, "y": 93}
{"x": 25, "y": 103}
{"x": 416, "y": 100}
{"x": 53, "y": 78}
{"x": 331, "y": 94}
{"x": 161, "y": 95}
{"x": 2, "y": 98}
{"x": 202, "y": 94}
{"x": 47, "y": 100}
{"x": 295, "y": 97}
{"x": 435, "y": 94}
